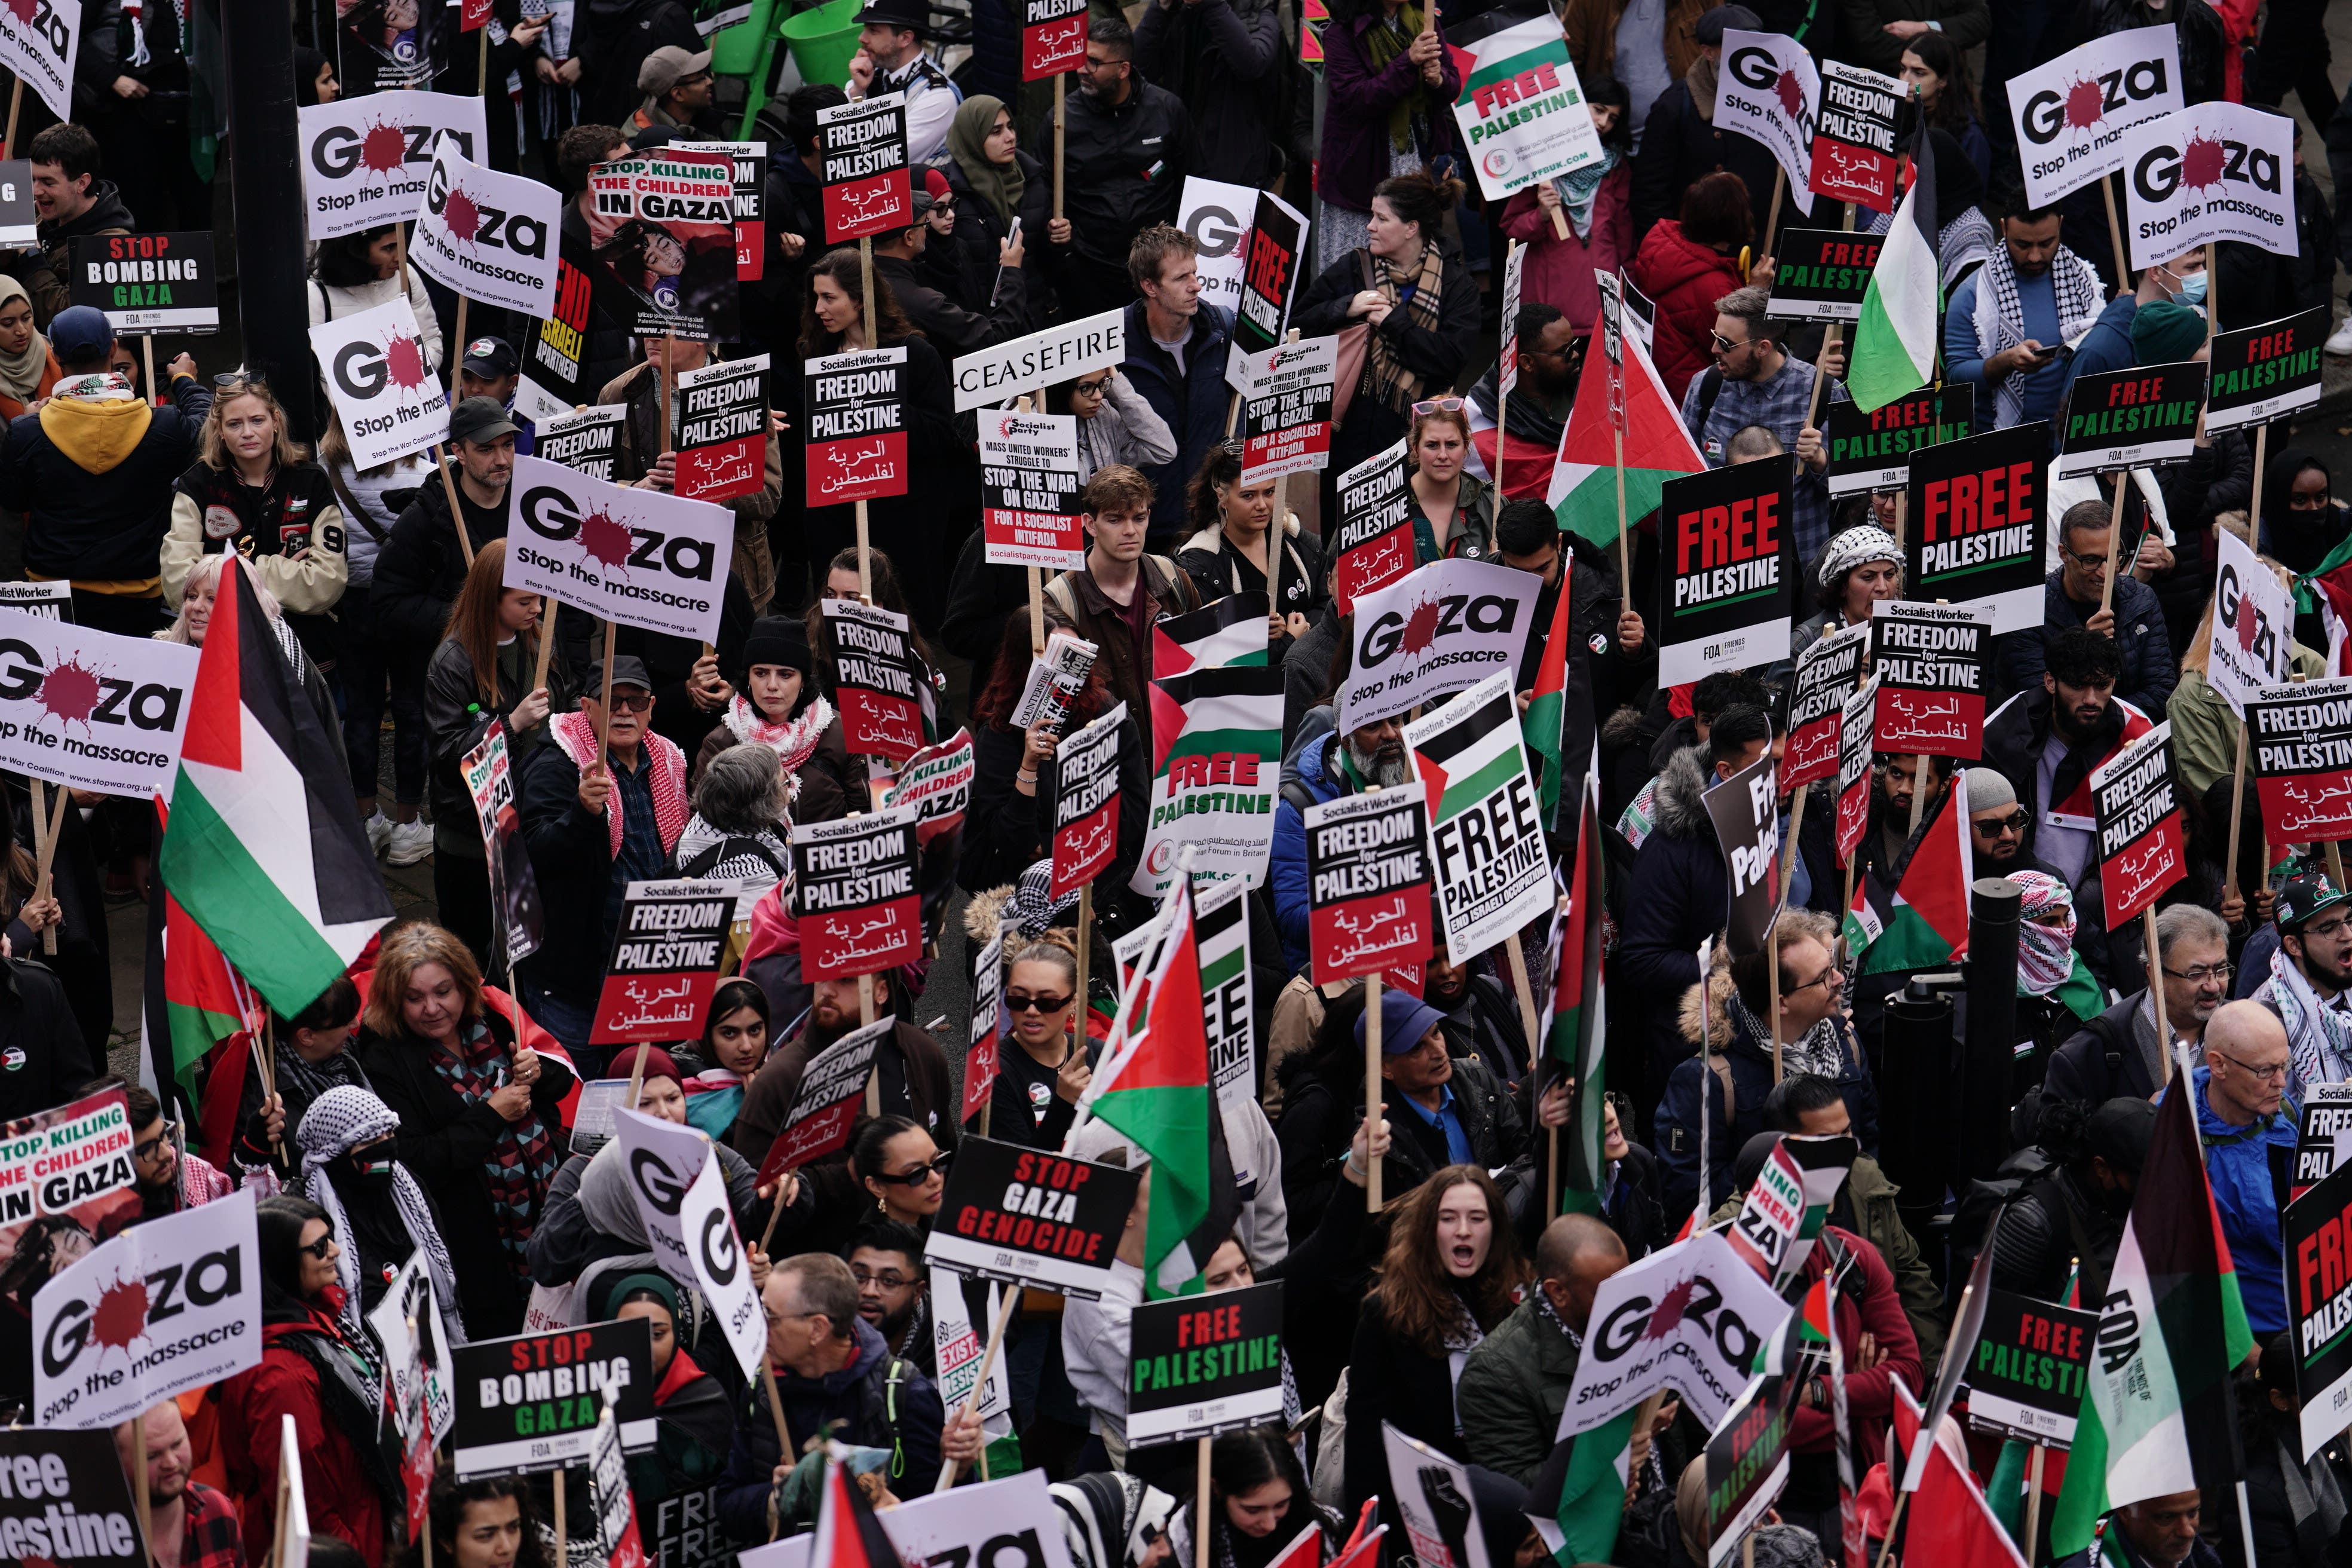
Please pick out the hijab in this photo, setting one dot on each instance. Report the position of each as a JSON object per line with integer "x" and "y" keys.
{"x": 998, "y": 185}
{"x": 2300, "y": 540}
{"x": 21, "y": 373}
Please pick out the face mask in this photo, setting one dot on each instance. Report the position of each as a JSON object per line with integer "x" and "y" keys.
{"x": 373, "y": 1168}
{"x": 2192, "y": 292}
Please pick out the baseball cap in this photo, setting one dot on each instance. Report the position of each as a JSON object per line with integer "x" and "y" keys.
{"x": 489, "y": 358}
{"x": 2304, "y": 897}
{"x": 481, "y": 419}
{"x": 2120, "y": 1131}
{"x": 80, "y": 333}
{"x": 668, "y": 66}
{"x": 1404, "y": 1020}
{"x": 628, "y": 670}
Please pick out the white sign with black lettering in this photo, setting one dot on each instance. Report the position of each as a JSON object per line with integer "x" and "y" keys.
{"x": 366, "y": 161}
{"x": 386, "y": 394}
{"x": 90, "y": 709}
{"x": 38, "y": 42}
{"x": 490, "y": 237}
{"x": 1026, "y": 365}
{"x": 682, "y": 1199}
{"x": 2209, "y": 172}
{"x": 2071, "y": 112}
{"x": 631, "y": 556}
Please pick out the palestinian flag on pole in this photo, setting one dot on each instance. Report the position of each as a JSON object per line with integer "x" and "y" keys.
{"x": 1160, "y": 1094}
{"x": 1230, "y": 631}
{"x": 1592, "y": 1503}
{"x": 1547, "y": 714}
{"x": 848, "y": 1535}
{"x": 1926, "y": 921}
{"x": 2158, "y": 1415}
{"x": 263, "y": 851}
{"x": 1578, "y": 1023}
{"x": 1894, "y": 342}
{"x": 2326, "y": 589}
{"x": 1658, "y": 447}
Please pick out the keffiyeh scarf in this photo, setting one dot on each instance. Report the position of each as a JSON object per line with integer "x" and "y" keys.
{"x": 523, "y": 1160}
{"x": 576, "y": 733}
{"x": 1821, "y": 1051}
{"x": 2319, "y": 1037}
{"x": 2045, "y": 954}
{"x": 2000, "y": 319}
{"x": 1418, "y": 293}
{"x": 794, "y": 740}
{"x": 337, "y": 1123}
{"x": 1577, "y": 189}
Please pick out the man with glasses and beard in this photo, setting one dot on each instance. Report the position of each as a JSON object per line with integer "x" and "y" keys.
{"x": 2116, "y": 1053}
{"x": 1328, "y": 766}
{"x": 2145, "y": 671}
{"x": 2310, "y": 974}
{"x": 885, "y": 1260}
{"x": 1755, "y": 382}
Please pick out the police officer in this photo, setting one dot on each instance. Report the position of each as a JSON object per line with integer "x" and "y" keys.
{"x": 890, "y": 59}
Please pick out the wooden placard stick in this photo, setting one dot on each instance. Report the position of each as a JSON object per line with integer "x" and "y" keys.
{"x": 1008, "y": 1298}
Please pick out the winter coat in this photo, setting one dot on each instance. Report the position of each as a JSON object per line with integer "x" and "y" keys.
{"x": 451, "y": 730}
{"x": 333, "y": 301}
{"x": 1219, "y": 570}
{"x": 1469, "y": 533}
{"x": 1123, "y": 168}
{"x": 2150, "y": 671}
{"x": 1190, "y": 402}
{"x": 1228, "y": 61}
{"x": 980, "y": 235}
{"x": 565, "y": 1243}
{"x": 1072, "y": 600}
{"x": 1403, "y": 1385}
{"x": 1356, "y": 152}
{"x": 38, "y": 1033}
{"x": 2238, "y": 1164}
{"x": 2013, "y": 739}
{"x": 344, "y": 1483}
{"x": 95, "y": 483}
{"x": 1005, "y": 831}
{"x": 1683, "y": 279}
{"x": 1436, "y": 355}
{"x": 950, "y": 328}
{"x": 1560, "y": 272}
{"x": 2107, "y": 1058}
{"x": 1676, "y": 898}
{"x": 1878, "y": 1312}
{"x": 1967, "y": 23}
{"x": 1681, "y": 146}
{"x": 1321, "y": 778}
{"x": 214, "y": 510}
{"x": 572, "y": 859}
{"x": 2284, "y": 1535}
{"x": 1492, "y": 1119}
{"x": 45, "y": 270}
{"x": 422, "y": 566}
{"x": 879, "y": 1400}
{"x": 1590, "y": 27}
{"x": 611, "y": 40}
{"x": 920, "y": 1073}
{"x": 1514, "y": 1384}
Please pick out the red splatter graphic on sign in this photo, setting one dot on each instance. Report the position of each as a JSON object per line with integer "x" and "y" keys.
{"x": 2085, "y": 105}
{"x": 2245, "y": 627}
{"x": 1421, "y": 628}
{"x": 2201, "y": 164}
{"x": 69, "y": 694}
{"x": 605, "y": 538}
{"x": 462, "y": 216}
{"x": 1791, "y": 94}
{"x": 121, "y": 1315}
{"x": 1670, "y": 1311}
{"x": 383, "y": 149}
{"x": 404, "y": 361}
{"x": 23, "y": 10}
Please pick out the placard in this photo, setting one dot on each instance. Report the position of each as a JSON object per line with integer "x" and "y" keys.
{"x": 1031, "y": 1218}
{"x": 1827, "y": 674}
{"x": 55, "y": 1472}
{"x": 1373, "y": 545}
{"x": 1011, "y": 1523}
{"x": 2323, "y": 1135}
{"x": 1506, "y": 362}
{"x": 875, "y": 685}
{"x": 555, "y": 373}
{"x": 19, "y": 222}
{"x": 1056, "y": 678}
{"x": 1858, "y": 729}
{"x": 70, "y": 1165}
{"x": 750, "y": 160}
{"x": 50, "y": 601}
{"x": 663, "y": 229}
{"x": 365, "y": 160}
{"x": 39, "y": 45}
{"x": 1745, "y": 812}
{"x": 1086, "y": 803}
{"x": 1788, "y": 1202}
{"x": 862, "y": 157}
{"x": 2141, "y": 849}
{"x": 1727, "y": 577}
{"x": 2205, "y": 172}
{"x": 681, "y": 1197}
{"x": 1930, "y": 667}
{"x": 1367, "y": 884}
{"x": 1768, "y": 91}
{"x": 2299, "y": 749}
{"x": 825, "y": 1107}
{"x": 665, "y": 962}
{"x": 857, "y": 425}
{"x": 959, "y": 1347}
{"x": 1873, "y": 451}
{"x": 87, "y": 709}
{"x": 1200, "y": 1365}
{"x": 1821, "y": 274}
{"x": 1040, "y": 360}
{"x": 1747, "y": 1463}
{"x": 587, "y": 442}
{"x": 985, "y": 1030}
{"x": 398, "y": 54}
{"x": 1219, "y": 771}
{"x": 937, "y": 782}
{"x": 1228, "y": 1009}
{"x": 1445, "y": 628}
{"x": 147, "y": 282}
{"x": 488, "y": 237}
{"x": 1031, "y": 481}
{"x": 629, "y": 554}
{"x": 1853, "y": 136}
{"x": 2253, "y": 623}
{"x": 387, "y": 396}
{"x": 618, "y": 1541}
{"x": 1269, "y": 278}
{"x": 1287, "y": 409}
{"x": 2315, "y": 1230}
{"x": 723, "y": 430}
{"x": 417, "y": 1361}
{"x": 2071, "y": 112}
{"x": 514, "y": 886}
{"x": 1642, "y": 1334}
{"x": 1975, "y": 511}
{"x": 531, "y": 1401}
{"x": 1053, "y": 38}
{"x": 1490, "y": 866}
{"x": 2025, "y": 1380}
{"x": 2130, "y": 418}
{"x": 1436, "y": 1503}
{"x": 854, "y": 889}
{"x": 1521, "y": 111}
{"x": 2257, "y": 373}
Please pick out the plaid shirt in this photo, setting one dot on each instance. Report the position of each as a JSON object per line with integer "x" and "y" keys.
{"x": 213, "y": 1540}
{"x": 1778, "y": 405}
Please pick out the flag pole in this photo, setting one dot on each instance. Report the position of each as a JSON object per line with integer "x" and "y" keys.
{"x": 1085, "y": 944}
{"x": 562, "y": 1553}
{"x": 1503, "y": 393}
{"x": 1836, "y": 336}
{"x": 546, "y": 642}
{"x": 1772, "y": 984}
{"x": 45, "y": 849}
{"x": 1773, "y": 216}
{"x": 457, "y": 360}
{"x": 2033, "y": 1502}
{"x": 2115, "y": 235}
{"x": 1371, "y": 1088}
{"x": 1007, "y": 1299}
{"x": 1200, "y": 1530}
{"x": 457, "y": 512}
{"x": 1527, "y": 994}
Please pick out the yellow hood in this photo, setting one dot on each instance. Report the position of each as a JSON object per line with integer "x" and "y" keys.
{"x": 97, "y": 434}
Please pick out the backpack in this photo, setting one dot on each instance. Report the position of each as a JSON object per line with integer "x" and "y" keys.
{"x": 1175, "y": 584}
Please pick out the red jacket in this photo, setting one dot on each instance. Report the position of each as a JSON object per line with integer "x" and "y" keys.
{"x": 1869, "y": 1395}
{"x": 343, "y": 1501}
{"x": 1684, "y": 280}
{"x": 1559, "y": 271}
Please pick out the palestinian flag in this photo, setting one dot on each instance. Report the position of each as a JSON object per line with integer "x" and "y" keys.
{"x": 1547, "y": 714}
{"x": 1160, "y": 1094}
{"x": 263, "y": 851}
{"x": 1230, "y": 631}
{"x": 1658, "y": 447}
{"x": 2079, "y": 809}
{"x": 1926, "y": 921}
{"x": 1802, "y": 1346}
{"x": 1578, "y": 1023}
{"x": 2158, "y": 1415}
{"x": 1894, "y": 342}
{"x": 2326, "y": 590}
{"x": 193, "y": 999}
{"x": 1594, "y": 1469}
{"x": 848, "y": 1534}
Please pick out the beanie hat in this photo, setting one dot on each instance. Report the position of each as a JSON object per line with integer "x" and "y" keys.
{"x": 2164, "y": 332}
{"x": 779, "y": 639}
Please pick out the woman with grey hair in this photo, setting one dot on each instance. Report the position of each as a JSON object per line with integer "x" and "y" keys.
{"x": 738, "y": 834}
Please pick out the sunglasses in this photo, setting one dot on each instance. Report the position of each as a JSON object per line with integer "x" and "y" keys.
{"x": 2013, "y": 823}
{"x": 916, "y": 1175}
{"x": 624, "y": 703}
{"x": 1437, "y": 406}
{"x": 1723, "y": 345}
{"x": 1036, "y": 1004}
{"x": 321, "y": 1247}
{"x": 228, "y": 379}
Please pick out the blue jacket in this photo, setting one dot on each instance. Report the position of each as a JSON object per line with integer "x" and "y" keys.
{"x": 1319, "y": 779}
{"x": 2238, "y": 1164}
{"x": 1192, "y": 402}
{"x": 2150, "y": 670}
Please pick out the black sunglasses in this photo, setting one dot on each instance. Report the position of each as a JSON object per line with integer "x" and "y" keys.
{"x": 919, "y": 1173}
{"x": 1036, "y": 1004}
{"x": 320, "y": 1247}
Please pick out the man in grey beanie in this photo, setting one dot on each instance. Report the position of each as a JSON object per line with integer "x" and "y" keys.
{"x": 1997, "y": 825}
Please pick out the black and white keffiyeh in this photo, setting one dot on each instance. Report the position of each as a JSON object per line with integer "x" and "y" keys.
{"x": 2000, "y": 319}
{"x": 337, "y": 1123}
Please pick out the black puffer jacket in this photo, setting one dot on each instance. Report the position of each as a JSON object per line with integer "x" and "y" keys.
{"x": 1123, "y": 168}
{"x": 422, "y": 566}
{"x": 979, "y": 234}
{"x": 89, "y": 515}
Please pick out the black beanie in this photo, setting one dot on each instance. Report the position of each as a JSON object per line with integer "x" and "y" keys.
{"x": 779, "y": 639}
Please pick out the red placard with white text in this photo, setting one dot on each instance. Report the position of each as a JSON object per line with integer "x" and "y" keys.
{"x": 862, "y": 154}
{"x": 1053, "y": 38}
{"x": 2299, "y": 748}
{"x": 857, "y": 425}
{"x": 1086, "y": 803}
{"x": 1368, "y": 875}
{"x": 875, "y": 684}
{"x": 854, "y": 891}
{"x": 2141, "y": 847}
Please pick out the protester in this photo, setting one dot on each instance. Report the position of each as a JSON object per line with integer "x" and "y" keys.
{"x": 1121, "y": 591}
{"x": 1446, "y": 1110}
{"x": 361, "y": 270}
{"x": 2309, "y": 975}
{"x": 2117, "y": 1052}
{"x": 1752, "y": 380}
{"x": 1595, "y": 203}
{"x": 1550, "y": 360}
{"x": 2160, "y": 1531}
{"x": 171, "y": 1177}
{"x": 734, "y": 1043}
{"x": 28, "y": 367}
{"x": 1127, "y": 148}
{"x": 1176, "y": 351}
{"x": 422, "y": 565}
{"x": 1229, "y": 550}
{"x": 311, "y": 1053}
{"x": 187, "y": 1523}
{"x": 1858, "y": 568}
{"x": 900, "y": 1169}
{"x": 1258, "y": 1503}
{"x": 2070, "y": 1213}
{"x": 1508, "y": 1417}
{"x": 2277, "y": 1474}
{"x": 1329, "y": 766}
{"x": 2077, "y": 595}
{"x": 739, "y": 833}
{"x": 72, "y": 201}
{"x": 2048, "y": 742}
{"x": 1452, "y": 511}
{"x": 1678, "y": 141}
{"x": 1935, "y": 67}
{"x": 1685, "y": 265}
{"x": 490, "y": 1522}
{"x": 2003, "y": 326}
{"x": 1040, "y": 1081}
{"x": 995, "y": 185}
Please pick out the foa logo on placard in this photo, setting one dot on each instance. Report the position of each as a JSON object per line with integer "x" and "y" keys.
{"x": 550, "y": 514}
{"x": 380, "y": 148}
{"x": 1756, "y": 67}
{"x": 476, "y": 222}
{"x": 2085, "y": 104}
{"x": 2206, "y": 162}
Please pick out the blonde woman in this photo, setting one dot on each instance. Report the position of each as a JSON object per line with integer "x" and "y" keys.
{"x": 254, "y": 490}
{"x": 200, "y": 595}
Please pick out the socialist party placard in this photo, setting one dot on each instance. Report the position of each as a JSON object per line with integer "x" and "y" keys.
{"x": 2025, "y": 1380}
{"x": 1031, "y": 479}
{"x": 2071, "y": 112}
{"x": 2299, "y": 749}
{"x": 2317, "y": 1233}
{"x": 1368, "y": 880}
{"x": 1053, "y": 38}
{"x": 854, "y": 885}
{"x": 632, "y": 555}
{"x": 1287, "y": 409}
{"x": 1873, "y": 451}
{"x": 2205, "y": 172}
{"x": 857, "y": 425}
{"x": 1769, "y": 91}
{"x": 665, "y": 962}
{"x": 1269, "y": 279}
{"x": 1822, "y": 274}
{"x": 723, "y": 430}
{"x": 663, "y": 233}
{"x": 1031, "y": 1218}
{"x": 1853, "y": 136}
{"x": 587, "y": 442}
{"x": 147, "y": 282}
{"x": 385, "y": 394}
{"x": 365, "y": 160}
{"x": 488, "y": 237}
{"x": 1200, "y": 1365}
{"x": 862, "y": 153}
{"x": 875, "y": 680}
{"x": 1086, "y": 801}
{"x": 87, "y": 709}
{"x": 825, "y": 1107}
{"x": 1728, "y": 584}
{"x": 2257, "y": 373}
{"x": 1826, "y": 675}
{"x": 2140, "y": 843}
{"x": 1976, "y": 536}
{"x": 1930, "y": 667}
{"x": 2130, "y": 418}
{"x": 1373, "y": 546}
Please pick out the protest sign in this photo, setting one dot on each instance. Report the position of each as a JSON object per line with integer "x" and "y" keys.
{"x": 1056, "y": 678}
{"x": 1031, "y": 1218}
{"x": 87, "y": 709}
{"x": 2141, "y": 847}
{"x": 1287, "y": 409}
{"x": 876, "y": 686}
{"x": 169, "y": 1305}
{"x": 514, "y": 886}
{"x": 723, "y": 430}
{"x": 2205, "y": 172}
{"x": 1040, "y": 360}
{"x": 857, "y": 425}
{"x": 937, "y": 782}
{"x": 681, "y": 1196}
{"x": 618, "y": 1541}
{"x": 662, "y": 228}
{"x": 1221, "y": 926}
{"x": 1436, "y": 1504}
{"x": 631, "y": 556}
{"x": 862, "y": 156}
{"x": 1199, "y": 1365}
{"x": 749, "y": 161}
{"x": 2025, "y": 1380}
{"x": 555, "y": 374}
{"x": 67, "y": 1170}
{"x": 1086, "y": 803}
{"x": 1269, "y": 278}
{"x": 38, "y": 42}
{"x": 1031, "y": 479}
{"x": 1769, "y": 91}
{"x": 1011, "y": 1523}
{"x": 1373, "y": 546}
{"x": 366, "y": 160}
{"x": 1788, "y": 1202}
{"x": 1747, "y": 1463}
{"x": 1853, "y": 136}
{"x": 2253, "y": 622}
{"x": 2299, "y": 749}
{"x": 959, "y": 1347}
{"x": 397, "y": 53}
{"x": 2071, "y": 112}
{"x": 1214, "y": 791}
{"x": 825, "y": 1107}
{"x": 588, "y": 442}
{"x": 2130, "y": 418}
{"x": 1490, "y": 866}
{"x": 1367, "y": 878}
{"x": 147, "y": 282}
{"x": 1727, "y": 587}
{"x": 418, "y": 1359}
{"x": 531, "y": 1401}
{"x": 984, "y": 1032}
{"x": 2315, "y": 1230}
{"x": 1442, "y": 628}
{"x": 1826, "y": 675}
{"x": 1506, "y": 362}
{"x": 1053, "y": 38}
{"x": 2255, "y": 374}
{"x": 1521, "y": 111}
{"x": 1747, "y": 821}
{"x": 1858, "y": 729}
{"x": 1645, "y": 1335}
{"x": 1873, "y": 451}
{"x": 2323, "y": 1135}
{"x": 388, "y": 398}
{"x": 1931, "y": 663}
{"x": 1217, "y": 217}
{"x": 665, "y": 962}
{"x": 68, "y": 1502}
{"x": 854, "y": 883}
{"x": 51, "y": 601}
{"x": 1821, "y": 274}
{"x": 1976, "y": 534}
{"x": 490, "y": 237}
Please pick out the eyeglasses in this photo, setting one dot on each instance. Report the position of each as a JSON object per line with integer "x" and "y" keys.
{"x": 2013, "y": 823}
{"x": 2087, "y": 562}
{"x": 1824, "y": 978}
{"x": 884, "y": 1278}
{"x": 2276, "y": 1070}
{"x": 1036, "y": 1004}
{"x": 919, "y": 1175}
{"x": 624, "y": 703}
{"x": 1091, "y": 388}
{"x": 321, "y": 1248}
{"x": 2216, "y": 973}
{"x": 1437, "y": 406}
{"x": 2331, "y": 929}
{"x": 147, "y": 1151}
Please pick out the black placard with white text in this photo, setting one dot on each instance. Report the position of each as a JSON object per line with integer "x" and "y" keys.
{"x": 147, "y": 282}
{"x": 1727, "y": 584}
{"x": 1031, "y": 1218}
{"x": 1821, "y": 274}
{"x": 529, "y": 1403}
{"x": 857, "y": 425}
{"x": 2257, "y": 373}
{"x": 1871, "y": 451}
{"x": 1200, "y": 1365}
{"x": 1269, "y": 279}
{"x": 853, "y": 890}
